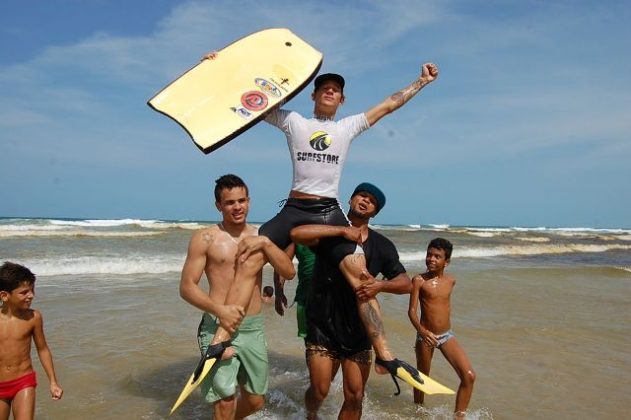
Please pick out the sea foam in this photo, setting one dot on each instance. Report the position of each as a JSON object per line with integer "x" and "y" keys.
{"x": 524, "y": 250}
{"x": 131, "y": 264}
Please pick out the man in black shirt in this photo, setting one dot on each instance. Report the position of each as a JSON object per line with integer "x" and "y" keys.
{"x": 335, "y": 332}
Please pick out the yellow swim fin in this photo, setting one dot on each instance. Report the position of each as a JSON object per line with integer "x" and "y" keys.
{"x": 207, "y": 364}
{"x": 402, "y": 370}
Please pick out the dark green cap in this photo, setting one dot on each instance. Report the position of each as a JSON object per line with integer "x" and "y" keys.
{"x": 380, "y": 197}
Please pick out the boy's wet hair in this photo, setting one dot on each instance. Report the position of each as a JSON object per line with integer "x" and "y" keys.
{"x": 268, "y": 291}
{"x": 13, "y": 275}
{"x": 441, "y": 243}
{"x": 228, "y": 182}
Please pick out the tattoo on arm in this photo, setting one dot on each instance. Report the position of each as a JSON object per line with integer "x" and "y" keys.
{"x": 372, "y": 320}
{"x": 404, "y": 95}
{"x": 207, "y": 237}
{"x": 397, "y": 98}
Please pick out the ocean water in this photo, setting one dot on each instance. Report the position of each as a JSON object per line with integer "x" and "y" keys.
{"x": 542, "y": 313}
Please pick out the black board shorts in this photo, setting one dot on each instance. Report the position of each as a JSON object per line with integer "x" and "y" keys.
{"x": 300, "y": 211}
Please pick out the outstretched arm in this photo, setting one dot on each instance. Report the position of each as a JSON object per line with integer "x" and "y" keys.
{"x": 429, "y": 73}
{"x": 310, "y": 235}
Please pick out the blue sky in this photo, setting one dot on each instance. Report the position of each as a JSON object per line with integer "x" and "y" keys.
{"x": 527, "y": 125}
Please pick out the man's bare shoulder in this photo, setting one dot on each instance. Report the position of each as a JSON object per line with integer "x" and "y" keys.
{"x": 202, "y": 240}
{"x": 207, "y": 234}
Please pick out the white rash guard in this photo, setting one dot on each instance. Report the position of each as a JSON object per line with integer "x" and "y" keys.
{"x": 318, "y": 148}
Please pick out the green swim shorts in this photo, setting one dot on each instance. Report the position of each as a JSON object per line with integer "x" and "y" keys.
{"x": 249, "y": 366}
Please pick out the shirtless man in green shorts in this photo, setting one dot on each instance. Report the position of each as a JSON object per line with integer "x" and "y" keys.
{"x": 212, "y": 251}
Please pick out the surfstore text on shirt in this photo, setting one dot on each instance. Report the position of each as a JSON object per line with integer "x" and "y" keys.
{"x": 317, "y": 157}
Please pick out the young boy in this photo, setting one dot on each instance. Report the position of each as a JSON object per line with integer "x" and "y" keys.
{"x": 18, "y": 324}
{"x": 432, "y": 290}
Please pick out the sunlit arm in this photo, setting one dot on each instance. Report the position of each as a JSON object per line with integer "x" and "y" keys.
{"x": 192, "y": 273}
{"x": 417, "y": 282}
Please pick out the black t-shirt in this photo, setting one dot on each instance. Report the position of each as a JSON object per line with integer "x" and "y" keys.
{"x": 332, "y": 318}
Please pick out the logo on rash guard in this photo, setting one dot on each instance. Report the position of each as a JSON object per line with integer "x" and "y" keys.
{"x": 320, "y": 140}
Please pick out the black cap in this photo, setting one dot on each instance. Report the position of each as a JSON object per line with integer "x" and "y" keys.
{"x": 329, "y": 76}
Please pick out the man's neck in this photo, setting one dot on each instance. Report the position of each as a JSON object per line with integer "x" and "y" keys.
{"x": 359, "y": 222}
{"x": 324, "y": 114}
{"x": 322, "y": 117}
{"x": 234, "y": 229}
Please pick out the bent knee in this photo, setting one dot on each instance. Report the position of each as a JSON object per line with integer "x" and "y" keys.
{"x": 354, "y": 398}
{"x": 468, "y": 378}
{"x": 320, "y": 392}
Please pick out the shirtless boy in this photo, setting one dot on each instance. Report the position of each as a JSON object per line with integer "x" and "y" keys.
{"x": 19, "y": 324}
{"x": 212, "y": 251}
{"x": 432, "y": 290}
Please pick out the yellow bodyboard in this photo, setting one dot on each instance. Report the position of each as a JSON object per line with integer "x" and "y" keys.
{"x": 218, "y": 99}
